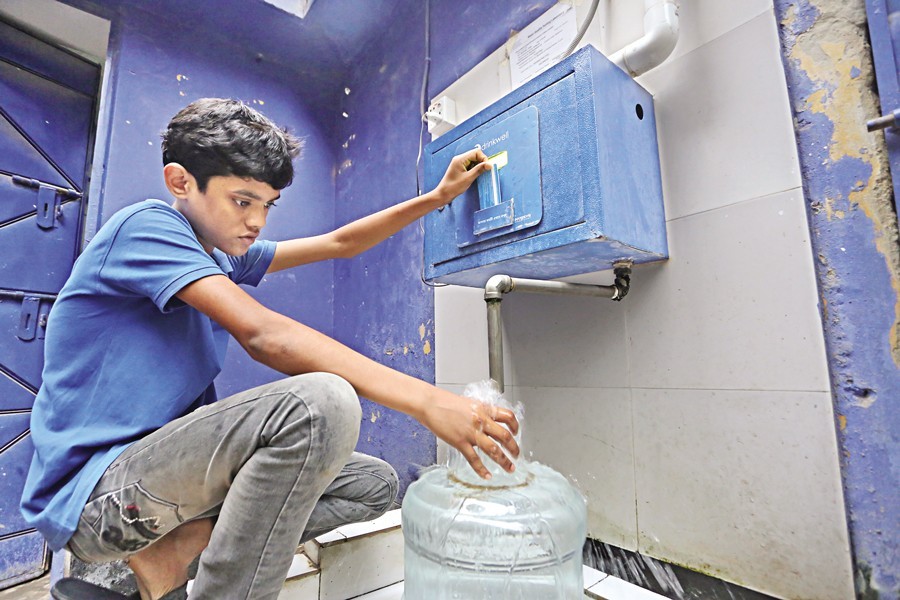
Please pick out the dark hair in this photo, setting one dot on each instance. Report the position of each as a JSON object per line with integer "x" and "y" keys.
{"x": 218, "y": 137}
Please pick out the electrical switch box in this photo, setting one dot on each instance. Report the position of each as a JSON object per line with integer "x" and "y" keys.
{"x": 575, "y": 185}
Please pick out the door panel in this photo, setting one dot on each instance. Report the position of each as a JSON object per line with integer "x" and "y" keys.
{"x": 23, "y": 358}
{"x": 46, "y": 120}
{"x": 39, "y": 258}
{"x": 19, "y": 157}
{"x": 57, "y": 119}
{"x": 24, "y": 558}
{"x": 14, "y": 462}
{"x": 13, "y": 396}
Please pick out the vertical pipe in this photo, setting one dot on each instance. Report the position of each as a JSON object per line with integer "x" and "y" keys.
{"x": 495, "y": 342}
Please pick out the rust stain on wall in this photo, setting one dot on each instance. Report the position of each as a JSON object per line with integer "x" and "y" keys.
{"x": 842, "y": 71}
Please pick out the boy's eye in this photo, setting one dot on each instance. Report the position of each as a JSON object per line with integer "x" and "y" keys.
{"x": 270, "y": 205}
{"x": 241, "y": 203}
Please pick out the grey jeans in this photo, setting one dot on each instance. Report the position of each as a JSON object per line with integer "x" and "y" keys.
{"x": 275, "y": 465}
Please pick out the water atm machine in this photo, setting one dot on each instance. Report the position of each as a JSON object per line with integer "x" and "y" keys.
{"x": 575, "y": 186}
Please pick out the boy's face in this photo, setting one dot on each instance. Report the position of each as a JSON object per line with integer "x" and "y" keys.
{"x": 230, "y": 214}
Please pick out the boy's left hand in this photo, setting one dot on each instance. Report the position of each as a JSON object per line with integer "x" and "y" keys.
{"x": 463, "y": 170}
{"x": 466, "y": 424}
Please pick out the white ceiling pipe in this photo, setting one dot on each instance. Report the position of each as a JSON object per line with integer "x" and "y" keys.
{"x": 660, "y": 37}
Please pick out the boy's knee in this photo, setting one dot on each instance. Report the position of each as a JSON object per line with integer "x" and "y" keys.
{"x": 335, "y": 406}
{"x": 341, "y": 404}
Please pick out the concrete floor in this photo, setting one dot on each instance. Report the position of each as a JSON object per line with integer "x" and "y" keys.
{"x": 38, "y": 589}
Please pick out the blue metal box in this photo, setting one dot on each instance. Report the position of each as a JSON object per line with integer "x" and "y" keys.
{"x": 576, "y": 185}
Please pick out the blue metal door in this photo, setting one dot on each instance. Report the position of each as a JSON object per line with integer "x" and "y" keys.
{"x": 46, "y": 119}
{"x": 884, "y": 31}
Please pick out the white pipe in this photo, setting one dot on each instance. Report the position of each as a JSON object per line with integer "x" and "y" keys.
{"x": 660, "y": 37}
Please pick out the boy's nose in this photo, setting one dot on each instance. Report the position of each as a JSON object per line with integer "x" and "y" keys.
{"x": 256, "y": 219}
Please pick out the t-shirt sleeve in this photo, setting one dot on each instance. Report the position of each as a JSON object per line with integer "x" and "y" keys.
{"x": 155, "y": 254}
{"x": 250, "y": 268}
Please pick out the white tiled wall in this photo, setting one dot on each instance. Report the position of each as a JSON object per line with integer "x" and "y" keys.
{"x": 696, "y": 414}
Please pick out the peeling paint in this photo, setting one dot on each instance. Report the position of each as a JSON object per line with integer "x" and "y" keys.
{"x": 427, "y": 347}
{"x": 832, "y": 66}
{"x": 422, "y": 331}
{"x": 853, "y": 223}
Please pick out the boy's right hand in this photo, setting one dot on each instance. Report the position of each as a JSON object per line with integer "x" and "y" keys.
{"x": 466, "y": 424}
{"x": 463, "y": 170}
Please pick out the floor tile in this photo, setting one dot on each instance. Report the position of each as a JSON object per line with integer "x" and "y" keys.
{"x": 391, "y": 592}
{"x": 360, "y": 565}
{"x": 305, "y": 587}
{"x": 592, "y": 576}
{"x": 388, "y": 521}
{"x": 38, "y": 589}
{"x": 613, "y": 588}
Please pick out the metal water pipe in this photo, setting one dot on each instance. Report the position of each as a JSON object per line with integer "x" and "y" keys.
{"x": 504, "y": 284}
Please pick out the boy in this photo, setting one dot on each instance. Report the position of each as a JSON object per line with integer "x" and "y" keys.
{"x": 134, "y": 457}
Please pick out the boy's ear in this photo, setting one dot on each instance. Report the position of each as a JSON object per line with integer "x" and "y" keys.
{"x": 178, "y": 180}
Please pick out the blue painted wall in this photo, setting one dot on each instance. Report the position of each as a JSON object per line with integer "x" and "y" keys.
{"x": 382, "y": 308}
{"x": 848, "y": 195}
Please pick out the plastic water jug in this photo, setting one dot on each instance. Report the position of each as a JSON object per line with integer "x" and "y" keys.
{"x": 517, "y": 536}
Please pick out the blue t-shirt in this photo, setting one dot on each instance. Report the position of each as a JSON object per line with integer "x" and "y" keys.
{"x": 123, "y": 356}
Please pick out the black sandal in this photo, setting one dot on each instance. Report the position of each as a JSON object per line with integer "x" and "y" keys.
{"x": 70, "y": 588}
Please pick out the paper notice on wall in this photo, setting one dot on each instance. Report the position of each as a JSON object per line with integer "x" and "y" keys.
{"x": 542, "y": 43}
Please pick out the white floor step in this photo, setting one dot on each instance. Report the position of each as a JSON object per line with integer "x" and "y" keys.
{"x": 597, "y": 586}
{"x": 359, "y": 558}
{"x": 600, "y": 586}
{"x": 302, "y": 581}
{"x": 391, "y": 592}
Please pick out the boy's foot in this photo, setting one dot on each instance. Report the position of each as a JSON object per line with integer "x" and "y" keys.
{"x": 161, "y": 569}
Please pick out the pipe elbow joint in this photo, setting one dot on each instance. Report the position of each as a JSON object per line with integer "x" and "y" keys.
{"x": 496, "y": 286}
{"x": 661, "y": 29}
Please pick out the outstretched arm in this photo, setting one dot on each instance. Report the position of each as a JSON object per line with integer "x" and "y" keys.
{"x": 293, "y": 348}
{"x": 362, "y": 234}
